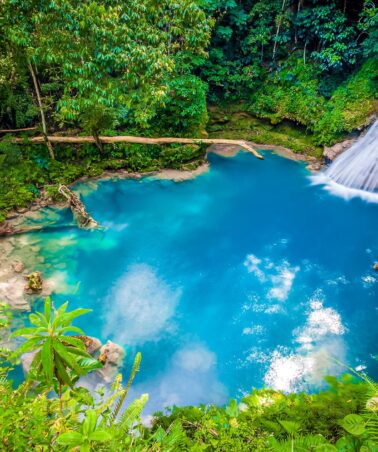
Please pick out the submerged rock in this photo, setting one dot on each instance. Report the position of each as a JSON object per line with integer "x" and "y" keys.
{"x": 18, "y": 267}
{"x": 34, "y": 284}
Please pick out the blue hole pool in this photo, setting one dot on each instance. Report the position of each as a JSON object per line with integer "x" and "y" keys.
{"x": 246, "y": 276}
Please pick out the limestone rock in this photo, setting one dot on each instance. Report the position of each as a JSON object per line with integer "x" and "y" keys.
{"x": 314, "y": 166}
{"x": 114, "y": 353}
{"x": 330, "y": 153}
{"x": 111, "y": 356}
{"x": 18, "y": 267}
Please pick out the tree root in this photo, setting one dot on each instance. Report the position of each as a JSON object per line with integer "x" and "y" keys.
{"x": 83, "y": 218}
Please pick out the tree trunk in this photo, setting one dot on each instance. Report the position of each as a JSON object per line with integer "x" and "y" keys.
{"x": 43, "y": 119}
{"x": 304, "y": 53}
{"x": 98, "y": 142}
{"x": 142, "y": 140}
{"x": 278, "y": 30}
{"x": 83, "y": 218}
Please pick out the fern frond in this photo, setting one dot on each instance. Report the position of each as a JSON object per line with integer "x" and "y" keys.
{"x": 176, "y": 438}
{"x": 123, "y": 395}
{"x": 132, "y": 413}
{"x": 300, "y": 444}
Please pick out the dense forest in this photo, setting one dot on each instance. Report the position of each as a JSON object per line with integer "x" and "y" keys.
{"x": 299, "y": 73}
{"x": 107, "y": 68}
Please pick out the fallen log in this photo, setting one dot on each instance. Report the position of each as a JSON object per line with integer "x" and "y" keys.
{"x": 83, "y": 218}
{"x": 141, "y": 140}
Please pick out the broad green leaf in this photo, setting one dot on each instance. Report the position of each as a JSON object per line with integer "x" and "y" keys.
{"x": 100, "y": 436}
{"x": 90, "y": 364}
{"x": 353, "y": 424}
{"x": 67, "y": 358}
{"x": 25, "y": 332}
{"x": 73, "y": 329}
{"x": 66, "y": 318}
{"x": 36, "y": 320}
{"x": 62, "y": 309}
{"x": 27, "y": 346}
{"x": 63, "y": 375}
{"x": 47, "y": 359}
{"x": 70, "y": 439}
{"x": 90, "y": 422}
{"x": 47, "y": 309}
{"x": 72, "y": 341}
{"x": 77, "y": 351}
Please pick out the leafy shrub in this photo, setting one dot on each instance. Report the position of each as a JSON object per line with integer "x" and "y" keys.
{"x": 350, "y": 105}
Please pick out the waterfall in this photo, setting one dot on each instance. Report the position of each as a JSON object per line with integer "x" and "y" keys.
{"x": 355, "y": 171}
{"x": 358, "y": 166}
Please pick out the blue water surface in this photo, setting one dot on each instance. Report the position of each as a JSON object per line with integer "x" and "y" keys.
{"x": 246, "y": 276}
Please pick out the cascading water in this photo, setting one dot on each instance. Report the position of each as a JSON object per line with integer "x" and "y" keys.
{"x": 355, "y": 171}
{"x": 358, "y": 166}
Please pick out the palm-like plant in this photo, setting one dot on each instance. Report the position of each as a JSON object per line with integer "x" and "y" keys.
{"x": 60, "y": 359}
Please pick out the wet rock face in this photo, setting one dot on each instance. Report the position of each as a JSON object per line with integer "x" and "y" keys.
{"x": 330, "y": 153}
{"x": 34, "y": 283}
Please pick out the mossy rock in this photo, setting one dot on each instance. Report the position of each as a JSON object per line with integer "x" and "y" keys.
{"x": 34, "y": 283}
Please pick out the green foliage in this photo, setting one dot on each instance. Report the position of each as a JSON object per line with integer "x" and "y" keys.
{"x": 292, "y": 92}
{"x": 87, "y": 437}
{"x": 106, "y": 62}
{"x": 342, "y": 417}
{"x": 350, "y": 105}
{"x": 185, "y": 111}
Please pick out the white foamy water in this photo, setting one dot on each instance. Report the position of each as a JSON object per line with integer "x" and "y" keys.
{"x": 354, "y": 172}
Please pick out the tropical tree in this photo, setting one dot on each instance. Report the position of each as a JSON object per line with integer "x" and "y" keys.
{"x": 113, "y": 58}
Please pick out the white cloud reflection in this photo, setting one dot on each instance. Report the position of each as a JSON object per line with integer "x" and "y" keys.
{"x": 140, "y": 308}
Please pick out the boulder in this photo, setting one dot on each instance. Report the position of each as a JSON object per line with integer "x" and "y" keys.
{"x": 112, "y": 353}
{"x": 111, "y": 356}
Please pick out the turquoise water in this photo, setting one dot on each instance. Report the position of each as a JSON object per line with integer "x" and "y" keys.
{"x": 244, "y": 277}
